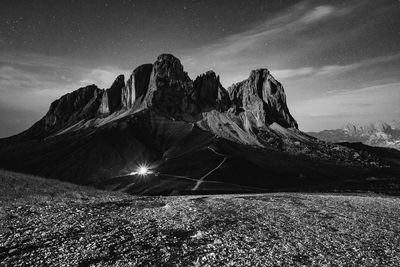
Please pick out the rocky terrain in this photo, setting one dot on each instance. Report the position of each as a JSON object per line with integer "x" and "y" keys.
{"x": 380, "y": 134}
{"x": 45, "y": 222}
{"x": 194, "y": 135}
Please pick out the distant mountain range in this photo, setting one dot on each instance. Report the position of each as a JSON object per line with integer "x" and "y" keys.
{"x": 379, "y": 134}
{"x": 192, "y": 136}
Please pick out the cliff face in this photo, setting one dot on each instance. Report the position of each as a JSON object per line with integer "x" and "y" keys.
{"x": 210, "y": 93}
{"x": 171, "y": 91}
{"x": 136, "y": 87}
{"x": 114, "y": 94}
{"x": 83, "y": 104}
{"x": 165, "y": 88}
{"x": 262, "y": 99}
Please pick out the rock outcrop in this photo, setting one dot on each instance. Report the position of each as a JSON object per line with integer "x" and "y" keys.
{"x": 262, "y": 99}
{"x": 104, "y": 108}
{"x": 82, "y": 104}
{"x": 171, "y": 91}
{"x": 165, "y": 88}
{"x": 210, "y": 93}
{"x": 114, "y": 94}
{"x": 136, "y": 86}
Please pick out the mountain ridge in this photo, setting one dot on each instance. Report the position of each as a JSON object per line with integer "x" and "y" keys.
{"x": 179, "y": 127}
{"x": 379, "y": 133}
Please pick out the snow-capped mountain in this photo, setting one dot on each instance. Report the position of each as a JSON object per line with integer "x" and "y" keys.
{"x": 379, "y": 134}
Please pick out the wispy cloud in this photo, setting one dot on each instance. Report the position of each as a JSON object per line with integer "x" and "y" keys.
{"x": 275, "y": 42}
{"x": 293, "y": 20}
{"x": 335, "y": 108}
{"x": 26, "y": 65}
{"x": 333, "y": 70}
{"x": 290, "y": 73}
{"x": 318, "y": 13}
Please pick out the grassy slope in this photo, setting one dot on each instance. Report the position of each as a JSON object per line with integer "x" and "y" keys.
{"x": 18, "y": 187}
{"x": 45, "y": 222}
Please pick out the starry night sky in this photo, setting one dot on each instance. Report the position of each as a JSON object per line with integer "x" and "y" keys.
{"x": 339, "y": 61}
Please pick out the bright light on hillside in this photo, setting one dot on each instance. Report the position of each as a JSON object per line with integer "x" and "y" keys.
{"x": 142, "y": 170}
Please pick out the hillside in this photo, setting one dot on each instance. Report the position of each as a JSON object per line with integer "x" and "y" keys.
{"x": 45, "y": 222}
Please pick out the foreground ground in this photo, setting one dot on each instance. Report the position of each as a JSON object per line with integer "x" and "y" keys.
{"x": 49, "y": 223}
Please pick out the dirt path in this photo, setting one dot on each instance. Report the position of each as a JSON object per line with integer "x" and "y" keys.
{"x": 200, "y": 181}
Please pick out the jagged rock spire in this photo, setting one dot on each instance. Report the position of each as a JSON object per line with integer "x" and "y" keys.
{"x": 210, "y": 93}
{"x": 263, "y": 99}
{"x": 136, "y": 87}
{"x": 114, "y": 93}
{"x": 171, "y": 91}
{"x": 166, "y": 88}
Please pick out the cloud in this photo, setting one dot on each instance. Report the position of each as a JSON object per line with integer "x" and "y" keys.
{"x": 318, "y": 13}
{"x": 370, "y": 62}
{"x": 279, "y": 41}
{"x": 337, "y": 108}
{"x": 25, "y": 65}
{"x": 102, "y": 77}
{"x": 290, "y": 73}
{"x": 292, "y": 20}
{"x": 333, "y": 70}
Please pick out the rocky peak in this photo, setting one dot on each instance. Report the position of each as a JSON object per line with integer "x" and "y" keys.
{"x": 86, "y": 103}
{"x": 382, "y": 126}
{"x": 262, "y": 99}
{"x": 395, "y": 124}
{"x": 356, "y": 129}
{"x": 210, "y": 93}
{"x": 114, "y": 94}
{"x": 118, "y": 82}
{"x": 136, "y": 86}
{"x": 72, "y": 107}
{"x": 171, "y": 91}
{"x": 169, "y": 67}
{"x": 165, "y": 88}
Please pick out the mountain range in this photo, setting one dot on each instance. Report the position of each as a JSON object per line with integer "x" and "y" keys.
{"x": 380, "y": 134}
{"x": 192, "y": 135}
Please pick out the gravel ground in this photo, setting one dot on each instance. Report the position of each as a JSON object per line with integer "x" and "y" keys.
{"x": 94, "y": 228}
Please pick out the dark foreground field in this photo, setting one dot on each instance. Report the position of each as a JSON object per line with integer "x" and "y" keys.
{"x": 49, "y": 223}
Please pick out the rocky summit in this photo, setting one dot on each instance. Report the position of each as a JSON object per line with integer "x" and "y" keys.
{"x": 165, "y": 88}
{"x": 263, "y": 100}
{"x": 192, "y": 135}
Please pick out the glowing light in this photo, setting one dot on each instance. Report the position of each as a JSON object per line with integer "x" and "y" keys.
{"x": 142, "y": 170}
